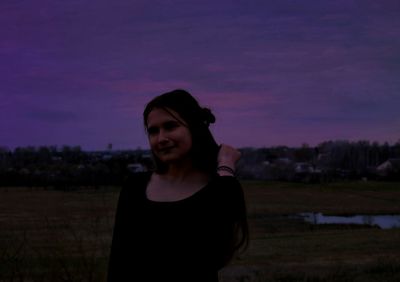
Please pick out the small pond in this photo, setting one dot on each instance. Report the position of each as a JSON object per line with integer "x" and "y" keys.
{"x": 382, "y": 221}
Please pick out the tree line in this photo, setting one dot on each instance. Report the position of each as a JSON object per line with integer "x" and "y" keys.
{"x": 64, "y": 168}
{"x": 329, "y": 161}
{"x": 67, "y": 167}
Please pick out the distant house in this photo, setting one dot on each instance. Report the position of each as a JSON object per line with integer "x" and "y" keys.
{"x": 303, "y": 172}
{"x": 136, "y": 167}
{"x": 56, "y": 159}
{"x": 106, "y": 157}
{"x": 389, "y": 167}
{"x": 303, "y": 168}
{"x": 286, "y": 161}
{"x": 307, "y": 172}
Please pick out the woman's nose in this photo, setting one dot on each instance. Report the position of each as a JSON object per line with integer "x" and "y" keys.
{"x": 162, "y": 137}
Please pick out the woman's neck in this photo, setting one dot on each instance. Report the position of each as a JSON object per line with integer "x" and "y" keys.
{"x": 182, "y": 172}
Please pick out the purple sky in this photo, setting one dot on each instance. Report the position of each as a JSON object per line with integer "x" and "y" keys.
{"x": 80, "y": 72}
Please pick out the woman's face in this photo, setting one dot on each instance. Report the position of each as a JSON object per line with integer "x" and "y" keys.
{"x": 169, "y": 137}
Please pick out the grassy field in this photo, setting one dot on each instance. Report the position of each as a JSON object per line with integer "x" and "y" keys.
{"x": 65, "y": 236}
{"x": 285, "y": 249}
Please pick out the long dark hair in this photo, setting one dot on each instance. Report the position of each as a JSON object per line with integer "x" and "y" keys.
{"x": 204, "y": 148}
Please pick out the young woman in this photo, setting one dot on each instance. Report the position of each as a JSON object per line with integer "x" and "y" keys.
{"x": 185, "y": 220}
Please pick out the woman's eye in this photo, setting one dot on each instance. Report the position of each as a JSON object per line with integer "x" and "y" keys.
{"x": 152, "y": 130}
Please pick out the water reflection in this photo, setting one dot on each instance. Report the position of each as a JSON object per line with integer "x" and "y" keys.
{"x": 383, "y": 221}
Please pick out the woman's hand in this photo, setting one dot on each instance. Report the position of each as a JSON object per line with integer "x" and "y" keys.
{"x": 227, "y": 156}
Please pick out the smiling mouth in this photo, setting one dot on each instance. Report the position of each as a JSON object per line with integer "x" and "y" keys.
{"x": 166, "y": 150}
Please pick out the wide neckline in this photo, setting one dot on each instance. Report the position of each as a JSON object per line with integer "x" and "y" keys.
{"x": 183, "y": 200}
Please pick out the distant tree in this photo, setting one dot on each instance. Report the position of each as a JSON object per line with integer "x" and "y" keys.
{"x": 304, "y": 153}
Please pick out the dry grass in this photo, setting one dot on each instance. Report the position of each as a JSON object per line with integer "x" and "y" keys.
{"x": 65, "y": 236}
{"x": 55, "y": 236}
{"x": 286, "y": 249}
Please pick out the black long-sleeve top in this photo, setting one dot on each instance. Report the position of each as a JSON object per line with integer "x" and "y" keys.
{"x": 184, "y": 240}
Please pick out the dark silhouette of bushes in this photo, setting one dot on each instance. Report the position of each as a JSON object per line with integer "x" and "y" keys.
{"x": 68, "y": 167}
